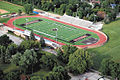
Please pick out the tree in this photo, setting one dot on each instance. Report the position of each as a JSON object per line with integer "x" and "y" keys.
{"x": 12, "y": 48}
{"x": 12, "y": 75}
{"x": 80, "y": 14}
{"x": 74, "y": 1}
{"x": 2, "y": 53}
{"x": 19, "y": 12}
{"x": 1, "y": 75}
{"x": 16, "y": 58}
{"x": 28, "y": 8}
{"x": 92, "y": 17}
{"x": 28, "y": 60}
{"x": 58, "y": 73}
{"x": 4, "y": 40}
{"x": 48, "y": 61}
{"x": 79, "y": 62}
{"x": 62, "y": 71}
{"x": 63, "y": 54}
{"x": 110, "y": 68}
{"x": 30, "y": 44}
{"x": 42, "y": 42}
{"x": 7, "y": 56}
{"x": 32, "y": 36}
{"x": 69, "y": 12}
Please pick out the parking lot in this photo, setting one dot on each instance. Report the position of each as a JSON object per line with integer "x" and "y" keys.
{"x": 88, "y": 75}
{"x": 15, "y": 39}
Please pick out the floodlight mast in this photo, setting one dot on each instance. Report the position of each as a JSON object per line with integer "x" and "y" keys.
{"x": 77, "y": 9}
{"x": 56, "y": 34}
{"x": 55, "y": 29}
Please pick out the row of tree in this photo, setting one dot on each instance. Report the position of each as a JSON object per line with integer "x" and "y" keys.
{"x": 110, "y": 68}
{"x": 74, "y": 8}
{"x": 29, "y": 57}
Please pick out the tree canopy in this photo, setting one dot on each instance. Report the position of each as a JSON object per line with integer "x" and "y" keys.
{"x": 79, "y": 62}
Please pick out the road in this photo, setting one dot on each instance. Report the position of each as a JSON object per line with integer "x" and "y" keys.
{"x": 88, "y": 75}
{"x": 15, "y": 39}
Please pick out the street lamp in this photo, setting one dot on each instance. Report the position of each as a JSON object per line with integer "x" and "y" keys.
{"x": 55, "y": 29}
{"x": 77, "y": 9}
{"x": 94, "y": 18}
{"x": 26, "y": 21}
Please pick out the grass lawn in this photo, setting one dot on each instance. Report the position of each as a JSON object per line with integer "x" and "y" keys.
{"x": 65, "y": 33}
{"x": 112, "y": 47}
{"x": 39, "y": 74}
{"x": 4, "y": 20}
{"x": 8, "y": 67}
{"x": 9, "y": 7}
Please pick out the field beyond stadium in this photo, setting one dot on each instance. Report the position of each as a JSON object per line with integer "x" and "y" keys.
{"x": 66, "y": 32}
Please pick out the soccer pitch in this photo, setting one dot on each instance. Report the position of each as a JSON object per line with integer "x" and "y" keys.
{"x": 65, "y": 33}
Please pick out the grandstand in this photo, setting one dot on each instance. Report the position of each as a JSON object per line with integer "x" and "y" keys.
{"x": 76, "y": 21}
{"x": 70, "y": 19}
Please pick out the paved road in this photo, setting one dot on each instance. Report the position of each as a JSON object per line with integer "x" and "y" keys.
{"x": 15, "y": 39}
{"x": 89, "y": 75}
{"x": 50, "y": 51}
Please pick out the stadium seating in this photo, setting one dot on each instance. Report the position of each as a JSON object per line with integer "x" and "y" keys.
{"x": 76, "y": 21}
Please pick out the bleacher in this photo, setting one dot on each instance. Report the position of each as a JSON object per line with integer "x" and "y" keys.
{"x": 76, "y": 21}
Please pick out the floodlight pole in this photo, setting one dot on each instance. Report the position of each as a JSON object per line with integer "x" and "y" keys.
{"x": 14, "y": 22}
{"x": 55, "y": 29}
{"x": 56, "y": 36}
{"x": 77, "y": 9}
{"x": 26, "y": 21}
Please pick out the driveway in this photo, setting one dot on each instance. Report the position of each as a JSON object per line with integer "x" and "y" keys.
{"x": 50, "y": 51}
{"x": 89, "y": 75}
{"x": 15, "y": 39}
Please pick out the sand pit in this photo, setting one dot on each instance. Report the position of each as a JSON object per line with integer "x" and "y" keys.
{"x": 3, "y": 11}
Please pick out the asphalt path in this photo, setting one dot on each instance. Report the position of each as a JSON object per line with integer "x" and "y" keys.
{"x": 15, "y": 39}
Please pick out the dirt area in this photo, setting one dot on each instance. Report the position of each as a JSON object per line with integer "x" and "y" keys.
{"x": 3, "y": 11}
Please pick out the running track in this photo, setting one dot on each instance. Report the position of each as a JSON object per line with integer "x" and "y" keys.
{"x": 102, "y": 36}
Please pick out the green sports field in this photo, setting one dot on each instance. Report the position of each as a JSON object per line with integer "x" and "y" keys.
{"x": 10, "y": 7}
{"x": 45, "y": 27}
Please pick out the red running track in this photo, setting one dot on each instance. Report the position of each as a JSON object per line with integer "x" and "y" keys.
{"x": 102, "y": 36}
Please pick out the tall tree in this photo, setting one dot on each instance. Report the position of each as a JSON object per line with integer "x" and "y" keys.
{"x": 42, "y": 41}
{"x": 28, "y": 60}
{"x": 16, "y": 58}
{"x": 4, "y": 40}
{"x": 1, "y": 74}
{"x": 2, "y": 53}
{"x": 28, "y": 8}
{"x": 32, "y": 36}
{"x": 79, "y": 62}
{"x": 19, "y": 11}
{"x": 63, "y": 54}
{"x": 48, "y": 61}
{"x": 58, "y": 73}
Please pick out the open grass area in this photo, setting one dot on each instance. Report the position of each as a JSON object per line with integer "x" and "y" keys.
{"x": 39, "y": 74}
{"x": 65, "y": 33}
{"x": 9, "y": 7}
{"x": 8, "y": 67}
{"x": 4, "y": 20}
{"x": 112, "y": 47}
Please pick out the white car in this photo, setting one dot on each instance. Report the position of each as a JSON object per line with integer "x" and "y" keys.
{"x": 4, "y": 16}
